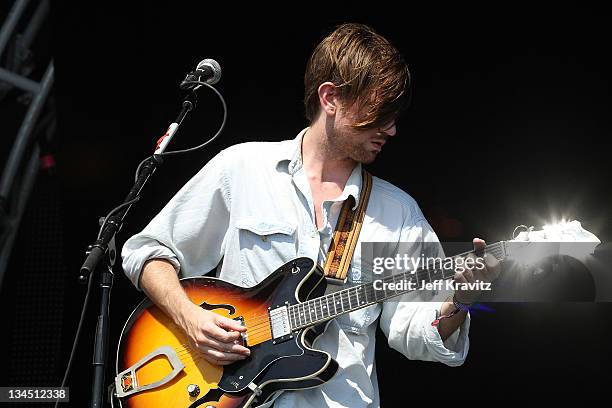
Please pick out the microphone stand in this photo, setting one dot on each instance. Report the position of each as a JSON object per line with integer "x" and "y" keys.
{"x": 104, "y": 247}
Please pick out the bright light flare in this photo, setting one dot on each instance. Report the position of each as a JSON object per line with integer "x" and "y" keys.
{"x": 561, "y": 238}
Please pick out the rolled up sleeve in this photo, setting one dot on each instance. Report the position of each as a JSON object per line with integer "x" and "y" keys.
{"x": 189, "y": 231}
{"x": 406, "y": 321}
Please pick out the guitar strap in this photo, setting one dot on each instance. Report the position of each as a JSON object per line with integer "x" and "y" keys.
{"x": 345, "y": 236}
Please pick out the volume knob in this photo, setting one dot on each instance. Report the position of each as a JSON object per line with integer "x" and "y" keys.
{"x": 193, "y": 390}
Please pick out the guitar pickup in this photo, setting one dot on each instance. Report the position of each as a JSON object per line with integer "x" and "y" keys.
{"x": 279, "y": 323}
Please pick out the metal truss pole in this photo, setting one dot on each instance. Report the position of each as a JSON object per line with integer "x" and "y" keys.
{"x": 15, "y": 187}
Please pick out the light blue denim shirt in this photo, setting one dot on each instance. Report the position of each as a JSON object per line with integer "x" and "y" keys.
{"x": 250, "y": 210}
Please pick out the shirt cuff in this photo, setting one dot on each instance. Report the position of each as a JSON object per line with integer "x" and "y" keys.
{"x": 454, "y": 350}
{"x": 134, "y": 262}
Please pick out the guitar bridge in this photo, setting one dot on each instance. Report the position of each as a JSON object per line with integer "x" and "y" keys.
{"x": 243, "y": 335}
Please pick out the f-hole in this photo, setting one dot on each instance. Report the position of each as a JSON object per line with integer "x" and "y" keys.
{"x": 231, "y": 309}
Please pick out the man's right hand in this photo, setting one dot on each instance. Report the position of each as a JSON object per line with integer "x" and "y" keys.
{"x": 216, "y": 337}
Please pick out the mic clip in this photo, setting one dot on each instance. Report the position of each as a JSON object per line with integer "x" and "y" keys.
{"x": 188, "y": 83}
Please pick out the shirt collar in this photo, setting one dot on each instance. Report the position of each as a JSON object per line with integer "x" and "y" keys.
{"x": 290, "y": 154}
{"x": 290, "y": 160}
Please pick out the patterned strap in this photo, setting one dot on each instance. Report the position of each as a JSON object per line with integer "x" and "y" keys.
{"x": 345, "y": 237}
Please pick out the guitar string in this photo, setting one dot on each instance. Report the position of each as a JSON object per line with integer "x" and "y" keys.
{"x": 310, "y": 308}
{"x": 188, "y": 350}
{"x": 262, "y": 321}
{"x": 494, "y": 249}
{"x": 352, "y": 293}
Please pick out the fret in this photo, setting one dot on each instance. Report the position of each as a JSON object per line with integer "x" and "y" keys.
{"x": 437, "y": 275}
{"x": 348, "y": 295}
{"x": 329, "y": 311}
{"x": 384, "y": 289}
{"x": 308, "y": 304}
{"x": 304, "y": 316}
{"x": 371, "y": 293}
{"x": 375, "y": 293}
{"x": 310, "y": 312}
{"x": 359, "y": 292}
{"x": 296, "y": 315}
{"x": 300, "y": 315}
{"x": 345, "y": 300}
{"x": 365, "y": 293}
{"x": 292, "y": 317}
{"x": 409, "y": 277}
{"x": 393, "y": 291}
{"x": 338, "y": 301}
{"x": 323, "y": 308}
{"x": 388, "y": 291}
{"x": 415, "y": 278}
{"x": 405, "y": 278}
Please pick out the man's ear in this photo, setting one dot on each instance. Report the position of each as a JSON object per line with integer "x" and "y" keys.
{"x": 328, "y": 98}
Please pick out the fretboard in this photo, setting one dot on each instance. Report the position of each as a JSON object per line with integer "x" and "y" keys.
{"x": 327, "y": 307}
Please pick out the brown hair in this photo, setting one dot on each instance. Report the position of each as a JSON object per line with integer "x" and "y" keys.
{"x": 365, "y": 67}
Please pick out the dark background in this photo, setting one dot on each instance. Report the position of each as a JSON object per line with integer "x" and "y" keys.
{"x": 510, "y": 124}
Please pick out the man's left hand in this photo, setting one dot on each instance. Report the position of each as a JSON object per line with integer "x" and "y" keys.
{"x": 485, "y": 269}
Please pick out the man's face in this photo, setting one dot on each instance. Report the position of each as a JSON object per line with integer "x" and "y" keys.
{"x": 361, "y": 145}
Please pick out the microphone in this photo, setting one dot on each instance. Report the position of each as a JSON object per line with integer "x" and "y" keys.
{"x": 208, "y": 71}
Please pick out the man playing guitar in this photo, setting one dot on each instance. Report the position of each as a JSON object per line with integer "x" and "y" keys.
{"x": 256, "y": 206}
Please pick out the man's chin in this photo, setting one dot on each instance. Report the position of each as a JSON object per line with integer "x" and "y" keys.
{"x": 367, "y": 157}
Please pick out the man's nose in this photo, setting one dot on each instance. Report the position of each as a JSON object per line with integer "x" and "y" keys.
{"x": 388, "y": 130}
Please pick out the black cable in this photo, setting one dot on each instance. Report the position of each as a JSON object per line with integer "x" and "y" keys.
{"x": 218, "y": 131}
{"x": 78, "y": 335}
{"x": 114, "y": 210}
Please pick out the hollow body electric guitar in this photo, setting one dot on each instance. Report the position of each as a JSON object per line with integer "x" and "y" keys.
{"x": 283, "y": 314}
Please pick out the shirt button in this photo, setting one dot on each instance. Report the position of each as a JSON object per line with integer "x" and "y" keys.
{"x": 264, "y": 238}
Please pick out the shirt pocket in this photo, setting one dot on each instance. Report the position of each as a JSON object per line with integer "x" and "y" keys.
{"x": 265, "y": 244}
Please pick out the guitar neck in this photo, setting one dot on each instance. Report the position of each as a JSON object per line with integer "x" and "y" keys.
{"x": 321, "y": 309}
